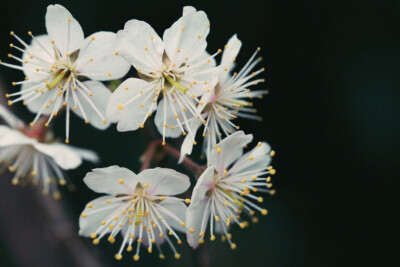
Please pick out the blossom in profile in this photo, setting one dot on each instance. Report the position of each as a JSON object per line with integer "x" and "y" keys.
{"x": 176, "y": 68}
{"x": 142, "y": 207}
{"x": 34, "y": 157}
{"x": 63, "y": 70}
{"x": 228, "y": 100}
{"x": 229, "y": 188}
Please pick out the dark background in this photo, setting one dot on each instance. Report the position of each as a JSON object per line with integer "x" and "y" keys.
{"x": 332, "y": 115}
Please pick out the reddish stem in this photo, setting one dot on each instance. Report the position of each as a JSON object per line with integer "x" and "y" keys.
{"x": 151, "y": 149}
{"x": 187, "y": 161}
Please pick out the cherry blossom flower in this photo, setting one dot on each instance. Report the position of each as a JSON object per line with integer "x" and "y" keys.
{"x": 34, "y": 157}
{"x": 142, "y": 207}
{"x": 228, "y": 100}
{"x": 63, "y": 70}
{"x": 228, "y": 188}
{"x": 176, "y": 67}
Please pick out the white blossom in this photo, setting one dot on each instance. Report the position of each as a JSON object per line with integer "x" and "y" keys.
{"x": 228, "y": 188}
{"x": 142, "y": 207}
{"x": 63, "y": 70}
{"x": 34, "y": 157}
{"x": 176, "y": 67}
{"x": 229, "y": 99}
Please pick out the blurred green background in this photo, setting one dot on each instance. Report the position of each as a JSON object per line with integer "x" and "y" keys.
{"x": 332, "y": 115}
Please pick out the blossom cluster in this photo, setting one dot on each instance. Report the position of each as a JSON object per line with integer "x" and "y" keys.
{"x": 179, "y": 81}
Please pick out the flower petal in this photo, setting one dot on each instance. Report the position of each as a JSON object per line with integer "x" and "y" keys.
{"x": 39, "y": 55}
{"x": 179, "y": 209}
{"x": 186, "y": 38}
{"x": 169, "y": 118}
{"x": 228, "y": 150}
{"x": 10, "y": 137}
{"x": 90, "y": 220}
{"x": 99, "y": 99}
{"x": 98, "y": 59}
{"x": 10, "y": 118}
{"x": 197, "y": 208}
{"x": 63, "y": 29}
{"x": 162, "y": 181}
{"x": 188, "y": 10}
{"x": 86, "y": 154}
{"x": 187, "y": 145}
{"x": 65, "y": 157}
{"x": 229, "y": 55}
{"x": 113, "y": 180}
{"x": 39, "y": 102}
{"x": 140, "y": 45}
{"x": 131, "y": 115}
{"x": 260, "y": 160}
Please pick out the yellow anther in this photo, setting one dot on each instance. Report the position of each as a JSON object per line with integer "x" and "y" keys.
{"x": 9, "y": 102}
{"x": 260, "y": 199}
{"x": 225, "y": 172}
{"x": 96, "y": 241}
{"x": 244, "y": 180}
{"x": 212, "y": 238}
{"x": 183, "y": 28}
{"x": 146, "y": 185}
{"x": 129, "y": 249}
{"x": 84, "y": 215}
{"x": 179, "y": 242}
{"x": 162, "y": 256}
{"x": 92, "y": 38}
{"x": 104, "y": 121}
{"x": 111, "y": 226}
{"x": 217, "y": 218}
{"x": 251, "y": 158}
{"x": 233, "y": 246}
{"x": 86, "y": 121}
{"x": 201, "y": 233}
{"x": 136, "y": 257}
{"x": 121, "y": 181}
{"x": 118, "y": 257}
{"x": 109, "y": 74}
{"x": 191, "y": 230}
{"x": 149, "y": 249}
{"x": 141, "y": 125}
{"x": 177, "y": 256}
{"x": 162, "y": 198}
{"x": 187, "y": 201}
{"x": 269, "y": 185}
{"x": 272, "y": 171}
{"x": 111, "y": 239}
{"x": 264, "y": 212}
{"x": 183, "y": 224}
{"x": 272, "y": 192}
{"x": 93, "y": 235}
{"x": 201, "y": 241}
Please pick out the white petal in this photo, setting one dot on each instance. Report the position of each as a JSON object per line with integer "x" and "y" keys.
{"x": 40, "y": 55}
{"x": 92, "y": 222}
{"x": 187, "y": 145}
{"x": 197, "y": 207}
{"x": 183, "y": 36}
{"x": 10, "y": 118}
{"x": 99, "y": 58}
{"x": 140, "y": 45}
{"x": 129, "y": 117}
{"x": 65, "y": 157}
{"x": 86, "y": 154}
{"x": 113, "y": 180}
{"x": 164, "y": 181}
{"x": 229, "y": 56}
{"x": 9, "y": 137}
{"x": 100, "y": 98}
{"x": 231, "y": 148}
{"x": 170, "y": 119}
{"x": 188, "y": 10}
{"x": 37, "y": 105}
{"x": 67, "y": 35}
{"x": 261, "y": 159}
{"x": 178, "y": 208}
